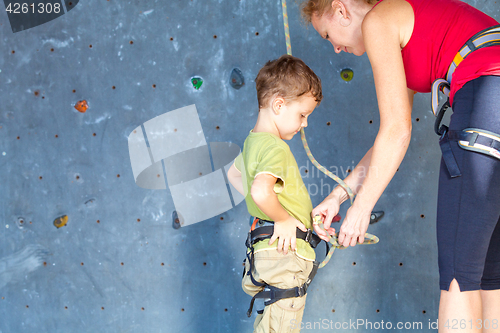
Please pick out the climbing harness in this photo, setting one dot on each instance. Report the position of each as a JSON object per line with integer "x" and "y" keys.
{"x": 271, "y": 293}
{"x": 473, "y": 139}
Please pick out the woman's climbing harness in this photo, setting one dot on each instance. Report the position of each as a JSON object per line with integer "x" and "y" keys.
{"x": 472, "y": 139}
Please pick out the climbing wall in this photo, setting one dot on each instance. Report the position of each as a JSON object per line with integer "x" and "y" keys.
{"x": 95, "y": 235}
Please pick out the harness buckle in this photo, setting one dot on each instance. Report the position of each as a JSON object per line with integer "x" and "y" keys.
{"x": 302, "y": 290}
{"x": 308, "y": 235}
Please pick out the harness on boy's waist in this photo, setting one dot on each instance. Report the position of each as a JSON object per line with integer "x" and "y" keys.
{"x": 473, "y": 139}
{"x": 271, "y": 293}
{"x": 274, "y": 294}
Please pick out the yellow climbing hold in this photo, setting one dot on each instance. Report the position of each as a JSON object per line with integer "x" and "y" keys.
{"x": 346, "y": 74}
{"x": 61, "y": 221}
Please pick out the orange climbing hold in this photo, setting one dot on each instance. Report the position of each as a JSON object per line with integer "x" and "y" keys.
{"x": 82, "y": 106}
{"x": 61, "y": 221}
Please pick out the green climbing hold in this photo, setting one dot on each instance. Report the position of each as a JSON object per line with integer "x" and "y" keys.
{"x": 346, "y": 74}
{"x": 196, "y": 82}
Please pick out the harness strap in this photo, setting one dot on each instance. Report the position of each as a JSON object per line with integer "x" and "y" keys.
{"x": 273, "y": 294}
{"x": 265, "y": 232}
{"x": 487, "y": 37}
{"x": 477, "y": 140}
{"x": 448, "y": 157}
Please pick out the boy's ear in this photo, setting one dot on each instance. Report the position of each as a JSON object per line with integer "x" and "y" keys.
{"x": 278, "y": 103}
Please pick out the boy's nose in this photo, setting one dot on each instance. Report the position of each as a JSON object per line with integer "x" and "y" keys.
{"x": 337, "y": 49}
{"x": 304, "y": 123}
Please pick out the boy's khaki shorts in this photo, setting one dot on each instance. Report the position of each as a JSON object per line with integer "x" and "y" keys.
{"x": 281, "y": 271}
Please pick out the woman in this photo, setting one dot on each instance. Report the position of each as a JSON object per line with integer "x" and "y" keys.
{"x": 411, "y": 43}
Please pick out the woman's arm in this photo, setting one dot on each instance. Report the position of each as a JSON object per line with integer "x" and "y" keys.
{"x": 384, "y": 30}
{"x": 329, "y": 207}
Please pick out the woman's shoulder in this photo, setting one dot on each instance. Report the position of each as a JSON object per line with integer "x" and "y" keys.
{"x": 395, "y": 10}
{"x": 395, "y": 15}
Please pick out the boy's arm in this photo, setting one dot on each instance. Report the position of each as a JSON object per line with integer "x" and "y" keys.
{"x": 234, "y": 177}
{"x": 263, "y": 195}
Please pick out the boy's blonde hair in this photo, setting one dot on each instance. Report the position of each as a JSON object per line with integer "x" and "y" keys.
{"x": 288, "y": 77}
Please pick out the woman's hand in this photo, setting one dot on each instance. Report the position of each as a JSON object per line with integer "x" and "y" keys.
{"x": 354, "y": 227}
{"x": 327, "y": 210}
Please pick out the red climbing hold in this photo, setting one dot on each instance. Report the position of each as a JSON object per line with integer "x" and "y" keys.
{"x": 82, "y": 106}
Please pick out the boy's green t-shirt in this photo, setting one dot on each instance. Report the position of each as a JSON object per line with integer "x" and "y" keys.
{"x": 266, "y": 153}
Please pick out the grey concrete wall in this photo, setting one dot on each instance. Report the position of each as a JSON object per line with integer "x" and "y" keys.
{"x": 118, "y": 265}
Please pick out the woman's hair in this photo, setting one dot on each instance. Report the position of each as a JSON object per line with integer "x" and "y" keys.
{"x": 288, "y": 77}
{"x": 320, "y": 7}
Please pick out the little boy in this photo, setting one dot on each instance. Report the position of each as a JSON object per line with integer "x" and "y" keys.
{"x": 266, "y": 173}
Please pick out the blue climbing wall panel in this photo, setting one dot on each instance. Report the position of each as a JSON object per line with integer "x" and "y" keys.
{"x": 120, "y": 259}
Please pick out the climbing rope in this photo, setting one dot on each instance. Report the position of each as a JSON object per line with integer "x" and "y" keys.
{"x": 369, "y": 238}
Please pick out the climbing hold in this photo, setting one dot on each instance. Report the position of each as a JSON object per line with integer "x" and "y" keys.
{"x": 376, "y": 216}
{"x": 176, "y": 223}
{"x": 20, "y": 222}
{"x": 236, "y": 80}
{"x": 196, "y": 82}
{"x": 346, "y": 74}
{"x": 61, "y": 221}
{"x": 82, "y": 106}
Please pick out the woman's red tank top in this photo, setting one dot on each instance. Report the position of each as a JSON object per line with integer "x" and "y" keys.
{"x": 441, "y": 28}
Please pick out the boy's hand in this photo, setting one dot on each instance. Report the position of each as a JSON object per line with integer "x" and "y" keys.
{"x": 286, "y": 232}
